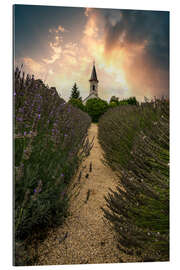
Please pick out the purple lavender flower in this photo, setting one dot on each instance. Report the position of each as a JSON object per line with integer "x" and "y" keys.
{"x": 21, "y": 110}
{"x": 19, "y": 119}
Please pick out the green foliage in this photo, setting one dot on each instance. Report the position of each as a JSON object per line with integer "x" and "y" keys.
{"x": 125, "y": 122}
{"x": 19, "y": 146}
{"x": 136, "y": 144}
{"x": 77, "y": 103}
{"x": 114, "y": 99}
{"x": 130, "y": 101}
{"x": 123, "y": 102}
{"x": 75, "y": 94}
{"x": 113, "y": 104}
{"x": 49, "y": 139}
{"x": 95, "y": 108}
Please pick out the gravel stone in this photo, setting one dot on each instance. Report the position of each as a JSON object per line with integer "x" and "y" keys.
{"x": 88, "y": 237}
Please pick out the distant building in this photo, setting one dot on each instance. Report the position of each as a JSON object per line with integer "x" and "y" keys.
{"x": 93, "y": 93}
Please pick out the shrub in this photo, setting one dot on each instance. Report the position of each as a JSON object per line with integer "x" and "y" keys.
{"x": 124, "y": 122}
{"x": 113, "y": 104}
{"x": 95, "y": 108}
{"x": 130, "y": 101}
{"x": 49, "y": 135}
{"x": 77, "y": 103}
{"x": 114, "y": 99}
{"x": 139, "y": 209}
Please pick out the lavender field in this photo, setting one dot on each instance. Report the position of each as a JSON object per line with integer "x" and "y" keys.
{"x": 135, "y": 140}
{"x": 50, "y": 141}
{"x": 90, "y": 135}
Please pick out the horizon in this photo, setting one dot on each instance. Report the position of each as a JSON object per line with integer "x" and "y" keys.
{"x": 130, "y": 49}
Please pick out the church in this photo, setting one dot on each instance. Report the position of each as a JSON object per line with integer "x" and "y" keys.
{"x": 93, "y": 93}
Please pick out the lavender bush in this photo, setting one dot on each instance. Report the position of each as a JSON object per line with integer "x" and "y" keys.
{"x": 136, "y": 145}
{"x": 49, "y": 140}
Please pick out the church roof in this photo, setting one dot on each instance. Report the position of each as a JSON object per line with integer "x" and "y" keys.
{"x": 93, "y": 75}
{"x": 92, "y": 95}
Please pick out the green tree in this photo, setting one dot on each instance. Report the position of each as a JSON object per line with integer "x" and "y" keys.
{"x": 75, "y": 92}
{"x": 130, "y": 101}
{"x": 114, "y": 99}
{"x": 95, "y": 107}
{"x": 113, "y": 104}
{"x": 77, "y": 103}
{"x": 123, "y": 102}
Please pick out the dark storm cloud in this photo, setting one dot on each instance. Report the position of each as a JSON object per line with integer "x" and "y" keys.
{"x": 32, "y": 24}
{"x": 135, "y": 27}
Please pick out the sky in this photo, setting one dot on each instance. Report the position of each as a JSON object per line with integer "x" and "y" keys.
{"x": 130, "y": 49}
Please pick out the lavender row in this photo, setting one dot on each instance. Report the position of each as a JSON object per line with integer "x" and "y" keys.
{"x": 135, "y": 140}
{"x": 50, "y": 136}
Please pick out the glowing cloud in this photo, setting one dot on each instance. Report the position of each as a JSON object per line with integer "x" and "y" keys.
{"x": 32, "y": 65}
{"x": 58, "y": 29}
{"x": 130, "y": 49}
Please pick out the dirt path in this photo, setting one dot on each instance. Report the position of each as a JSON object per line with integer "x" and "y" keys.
{"x": 85, "y": 238}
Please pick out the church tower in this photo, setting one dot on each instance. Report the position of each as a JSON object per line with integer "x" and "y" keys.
{"x": 93, "y": 93}
{"x": 93, "y": 82}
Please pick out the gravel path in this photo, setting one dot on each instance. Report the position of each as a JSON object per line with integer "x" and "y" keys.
{"x": 85, "y": 238}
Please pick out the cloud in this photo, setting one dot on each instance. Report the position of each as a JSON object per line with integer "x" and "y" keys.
{"x": 51, "y": 72}
{"x": 61, "y": 29}
{"x": 130, "y": 49}
{"x": 87, "y": 10}
{"x": 91, "y": 30}
{"x": 32, "y": 65}
{"x": 55, "y": 45}
{"x": 137, "y": 43}
{"x": 137, "y": 27}
{"x": 56, "y": 49}
{"x": 71, "y": 49}
{"x": 58, "y": 29}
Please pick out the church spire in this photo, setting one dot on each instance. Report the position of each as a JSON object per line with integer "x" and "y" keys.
{"x": 93, "y": 74}
{"x": 93, "y": 93}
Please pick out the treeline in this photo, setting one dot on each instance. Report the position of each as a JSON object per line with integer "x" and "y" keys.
{"x": 96, "y": 107}
{"x": 135, "y": 140}
{"x": 49, "y": 143}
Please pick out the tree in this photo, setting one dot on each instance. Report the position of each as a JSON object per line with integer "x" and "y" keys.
{"x": 95, "y": 107}
{"x": 113, "y": 104}
{"x": 114, "y": 99}
{"x": 77, "y": 103}
{"x": 130, "y": 101}
{"x": 75, "y": 93}
{"x": 123, "y": 102}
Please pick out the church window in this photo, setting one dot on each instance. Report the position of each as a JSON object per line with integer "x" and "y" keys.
{"x": 93, "y": 87}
